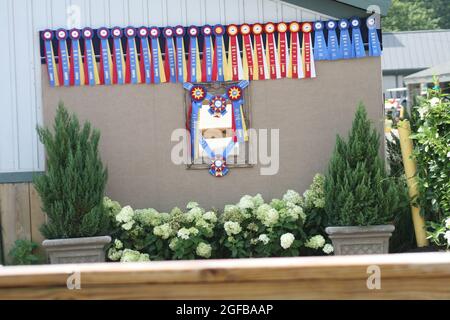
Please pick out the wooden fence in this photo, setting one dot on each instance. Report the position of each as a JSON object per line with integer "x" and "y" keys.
{"x": 20, "y": 215}
{"x": 402, "y": 276}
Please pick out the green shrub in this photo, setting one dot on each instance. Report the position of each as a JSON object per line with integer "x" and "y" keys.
{"x": 23, "y": 253}
{"x": 358, "y": 191}
{"x": 72, "y": 188}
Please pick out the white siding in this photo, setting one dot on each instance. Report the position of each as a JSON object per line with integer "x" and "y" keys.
{"x": 20, "y": 68}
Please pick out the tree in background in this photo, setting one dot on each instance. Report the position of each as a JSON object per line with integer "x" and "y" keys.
{"x": 409, "y": 15}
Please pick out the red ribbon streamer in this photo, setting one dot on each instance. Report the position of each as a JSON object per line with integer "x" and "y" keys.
{"x": 248, "y": 50}
{"x": 283, "y": 50}
{"x": 102, "y": 71}
{"x": 259, "y": 56}
{"x": 128, "y": 66}
{"x": 295, "y": 53}
{"x": 307, "y": 54}
{"x": 271, "y": 48}
{"x": 234, "y": 58}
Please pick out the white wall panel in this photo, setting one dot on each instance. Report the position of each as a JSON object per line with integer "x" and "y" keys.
{"x": 20, "y": 21}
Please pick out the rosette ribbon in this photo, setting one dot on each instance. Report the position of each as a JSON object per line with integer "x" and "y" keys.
{"x": 283, "y": 51}
{"x": 247, "y": 52}
{"x": 295, "y": 67}
{"x": 133, "y": 74}
{"x": 333, "y": 45}
{"x": 235, "y": 71}
{"x": 374, "y": 41}
{"x": 47, "y": 36}
{"x": 105, "y": 57}
{"x": 357, "y": 41}
{"x": 90, "y": 63}
{"x": 235, "y": 95}
{"x": 345, "y": 43}
{"x": 118, "y": 58}
{"x": 309, "y": 67}
{"x": 76, "y": 59}
{"x": 63, "y": 57}
{"x": 218, "y": 166}
{"x": 145, "y": 61}
{"x": 320, "y": 45}
{"x": 197, "y": 94}
{"x": 181, "y": 55}
{"x": 194, "y": 65}
{"x": 208, "y": 54}
{"x": 220, "y": 61}
{"x": 272, "y": 52}
{"x": 260, "y": 63}
{"x": 170, "y": 62}
{"x": 158, "y": 73}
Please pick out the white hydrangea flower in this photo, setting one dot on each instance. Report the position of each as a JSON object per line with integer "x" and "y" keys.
{"x": 264, "y": 238}
{"x": 203, "y": 250}
{"x": 315, "y": 242}
{"x": 129, "y": 255}
{"x": 447, "y": 237}
{"x": 286, "y": 240}
{"x": 267, "y": 215}
{"x": 114, "y": 255}
{"x": 210, "y": 216}
{"x": 435, "y": 101}
{"x": 191, "y": 205}
{"x": 144, "y": 257}
{"x": 125, "y": 215}
{"x": 164, "y": 231}
{"x": 127, "y": 226}
{"x": 173, "y": 243}
{"x": 148, "y": 217}
{"x": 258, "y": 200}
{"x": 232, "y": 228}
{"x": 183, "y": 233}
{"x": 328, "y": 248}
{"x": 246, "y": 202}
{"x": 252, "y": 226}
{"x": 118, "y": 244}
{"x": 292, "y": 197}
{"x": 447, "y": 223}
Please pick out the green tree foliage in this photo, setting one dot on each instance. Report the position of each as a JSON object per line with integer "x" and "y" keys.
{"x": 357, "y": 188}
{"x": 408, "y": 15}
{"x": 72, "y": 189}
{"x": 23, "y": 253}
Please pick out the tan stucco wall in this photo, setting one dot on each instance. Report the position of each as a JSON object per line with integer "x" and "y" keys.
{"x": 136, "y": 123}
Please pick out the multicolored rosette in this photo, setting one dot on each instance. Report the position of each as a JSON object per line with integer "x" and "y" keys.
{"x": 118, "y": 58}
{"x": 158, "y": 73}
{"x": 374, "y": 41}
{"x": 90, "y": 63}
{"x": 234, "y": 71}
{"x": 320, "y": 45}
{"x": 106, "y": 63}
{"x": 272, "y": 52}
{"x": 76, "y": 59}
{"x": 198, "y": 94}
{"x": 357, "y": 40}
{"x": 181, "y": 55}
{"x": 260, "y": 71}
{"x": 333, "y": 46}
{"x": 283, "y": 52}
{"x": 309, "y": 67}
{"x": 295, "y": 67}
{"x": 194, "y": 64}
{"x": 52, "y": 70}
{"x": 247, "y": 52}
{"x": 345, "y": 43}
{"x": 63, "y": 57}
{"x": 145, "y": 62}
{"x": 220, "y": 58}
{"x": 170, "y": 61}
{"x": 133, "y": 72}
{"x": 208, "y": 54}
{"x": 218, "y": 167}
{"x": 217, "y": 106}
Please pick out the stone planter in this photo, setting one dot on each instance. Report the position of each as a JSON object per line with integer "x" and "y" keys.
{"x": 76, "y": 250}
{"x": 360, "y": 240}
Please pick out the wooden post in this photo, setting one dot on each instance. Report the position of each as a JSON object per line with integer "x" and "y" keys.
{"x": 406, "y": 145}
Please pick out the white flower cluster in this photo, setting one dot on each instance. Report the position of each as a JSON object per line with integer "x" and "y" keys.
{"x": 286, "y": 240}
{"x": 315, "y": 242}
{"x": 232, "y": 228}
{"x": 314, "y": 197}
{"x": 203, "y": 250}
{"x": 126, "y": 218}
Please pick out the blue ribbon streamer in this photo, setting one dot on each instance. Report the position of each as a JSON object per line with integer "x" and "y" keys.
{"x": 193, "y": 60}
{"x": 76, "y": 61}
{"x": 133, "y": 59}
{"x": 90, "y": 62}
{"x": 320, "y": 45}
{"x": 118, "y": 57}
{"x": 209, "y": 58}
{"x": 105, "y": 58}
{"x": 333, "y": 45}
{"x": 357, "y": 41}
{"x": 180, "y": 58}
{"x": 65, "y": 62}
{"x": 219, "y": 53}
{"x": 155, "y": 58}
{"x": 374, "y": 42}
{"x": 147, "y": 66}
{"x": 49, "y": 59}
{"x": 345, "y": 42}
{"x": 171, "y": 53}
{"x": 238, "y": 120}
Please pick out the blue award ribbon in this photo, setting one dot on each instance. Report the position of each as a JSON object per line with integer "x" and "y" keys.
{"x": 320, "y": 45}
{"x": 76, "y": 61}
{"x": 193, "y": 58}
{"x": 90, "y": 62}
{"x": 155, "y": 59}
{"x": 105, "y": 59}
{"x": 344, "y": 41}
{"x": 207, "y": 148}
{"x": 133, "y": 59}
{"x": 220, "y": 54}
{"x": 374, "y": 42}
{"x": 47, "y": 35}
{"x": 170, "y": 54}
{"x": 228, "y": 149}
{"x": 145, "y": 57}
{"x": 208, "y": 53}
{"x": 357, "y": 41}
{"x": 333, "y": 45}
{"x": 180, "y": 58}
{"x": 118, "y": 53}
{"x": 64, "y": 55}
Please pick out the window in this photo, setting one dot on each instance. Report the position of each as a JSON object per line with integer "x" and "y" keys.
{"x": 217, "y": 127}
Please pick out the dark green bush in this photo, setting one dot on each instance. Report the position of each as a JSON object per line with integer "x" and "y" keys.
{"x": 23, "y": 253}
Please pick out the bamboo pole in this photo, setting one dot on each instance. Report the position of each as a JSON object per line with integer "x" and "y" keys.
{"x": 406, "y": 145}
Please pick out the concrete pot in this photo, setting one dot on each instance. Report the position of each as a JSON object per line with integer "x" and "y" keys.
{"x": 360, "y": 240}
{"x": 76, "y": 250}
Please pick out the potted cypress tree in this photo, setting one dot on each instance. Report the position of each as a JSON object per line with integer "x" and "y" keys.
{"x": 360, "y": 198}
{"x": 72, "y": 192}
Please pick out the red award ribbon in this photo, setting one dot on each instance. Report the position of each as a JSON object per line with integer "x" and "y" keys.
{"x": 234, "y": 57}
{"x": 247, "y": 62}
{"x": 272, "y": 57}
{"x": 282, "y": 48}
{"x": 260, "y": 66}
{"x": 295, "y": 69}
{"x": 308, "y": 57}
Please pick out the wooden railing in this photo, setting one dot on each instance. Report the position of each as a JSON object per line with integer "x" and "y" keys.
{"x": 402, "y": 276}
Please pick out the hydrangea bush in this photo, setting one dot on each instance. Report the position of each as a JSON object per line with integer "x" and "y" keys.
{"x": 250, "y": 228}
